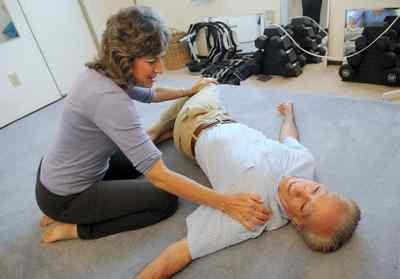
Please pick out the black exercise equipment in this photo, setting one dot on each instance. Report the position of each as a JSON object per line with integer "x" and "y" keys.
{"x": 276, "y": 55}
{"x": 392, "y": 77}
{"x": 277, "y": 42}
{"x": 347, "y": 72}
{"x": 302, "y": 60}
{"x": 392, "y": 34}
{"x": 220, "y": 42}
{"x": 355, "y": 60}
{"x": 261, "y": 42}
{"x": 383, "y": 43}
{"x": 380, "y": 63}
{"x": 273, "y": 31}
{"x": 309, "y": 36}
{"x": 361, "y": 42}
{"x": 389, "y": 60}
{"x": 233, "y": 71}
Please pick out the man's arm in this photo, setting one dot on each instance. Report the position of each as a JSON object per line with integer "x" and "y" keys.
{"x": 288, "y": 128}
{"x": 170, "y": 261}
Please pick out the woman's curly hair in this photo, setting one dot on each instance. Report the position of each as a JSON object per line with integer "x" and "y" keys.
{"x": 131, "y": 33}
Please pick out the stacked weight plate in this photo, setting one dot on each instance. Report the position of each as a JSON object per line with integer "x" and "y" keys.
{"x": 276, "y": 54}
{"x": 380, "y": 63}
{"x": 308, "y": 35}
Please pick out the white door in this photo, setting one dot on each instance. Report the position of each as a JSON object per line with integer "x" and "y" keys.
{"x": 63, "y": 37}
{"x": 25, "y": 82}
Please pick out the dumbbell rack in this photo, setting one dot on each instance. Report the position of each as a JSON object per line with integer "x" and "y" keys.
{"x": 380, "y": 63}
{"x": 308, "y": 35}
{"x": 276, "y": 54}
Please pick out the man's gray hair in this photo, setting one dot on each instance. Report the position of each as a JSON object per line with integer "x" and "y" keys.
{"x": 342, "y": 234}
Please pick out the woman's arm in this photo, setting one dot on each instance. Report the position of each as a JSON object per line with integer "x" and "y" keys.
{"x": 165, "y": 94}
{"x": 248, "y": 209}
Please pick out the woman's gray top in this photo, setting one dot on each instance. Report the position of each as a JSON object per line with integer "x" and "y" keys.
{"x": 98, "y": 118}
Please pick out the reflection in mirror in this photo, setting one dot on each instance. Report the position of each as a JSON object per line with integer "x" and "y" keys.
{"x": 307, "y": 22}
{"x": 7, "y": 27}
{"x": 315, "y": 9}
{"x": 358, "y": 19}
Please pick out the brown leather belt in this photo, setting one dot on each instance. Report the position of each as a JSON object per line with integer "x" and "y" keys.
{"x": 201, "y": 127}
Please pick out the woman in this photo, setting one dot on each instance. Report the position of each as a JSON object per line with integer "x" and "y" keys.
{"x": 90, "y": 181}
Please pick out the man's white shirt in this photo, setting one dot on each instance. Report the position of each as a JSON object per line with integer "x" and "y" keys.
{"x": 236, "y": 159}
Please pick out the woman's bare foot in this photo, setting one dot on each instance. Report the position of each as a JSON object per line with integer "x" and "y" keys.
{"x": 45, "y": 221}
{"x": 60, "y": 231}
{"x": 286, "y": 109}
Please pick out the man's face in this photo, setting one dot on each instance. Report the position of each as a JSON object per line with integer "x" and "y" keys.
{"x": 310, "y": 206}
{"x": 145, "y": 70}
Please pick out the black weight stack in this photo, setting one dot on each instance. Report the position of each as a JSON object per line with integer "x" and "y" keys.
{"x": 276, "y": 54}
{"x": 380, "y": 63}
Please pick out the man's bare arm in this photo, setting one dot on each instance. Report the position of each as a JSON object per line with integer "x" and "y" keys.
{"x": 288, "y": 128}
{"x": 170, "y": 261}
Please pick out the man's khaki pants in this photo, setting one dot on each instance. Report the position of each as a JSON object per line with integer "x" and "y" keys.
{"x": 201, "y": 109}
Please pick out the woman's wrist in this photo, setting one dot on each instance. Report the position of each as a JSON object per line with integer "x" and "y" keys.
{"x": 186, "y": 92}
{"x": 183, "y": 92}
{"x": 220, "y": 202}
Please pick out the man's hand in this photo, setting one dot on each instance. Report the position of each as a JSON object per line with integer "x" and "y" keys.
{"x": 248, "y": 209}
{"x": 286, "y": 110}
{"x": 199, "y": 85}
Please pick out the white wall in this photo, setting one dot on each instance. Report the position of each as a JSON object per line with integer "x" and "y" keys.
{"x": 63, "y": 36}
{"x": 98, "y": 11}
{"x": 4, "y": 20}
{"x": 337, "y": 19}
{"x": 180, "y": 13}
{"x": 22, "y": 57}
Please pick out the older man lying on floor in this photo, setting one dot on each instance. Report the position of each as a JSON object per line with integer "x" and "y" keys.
{"x": 238, "y": 158}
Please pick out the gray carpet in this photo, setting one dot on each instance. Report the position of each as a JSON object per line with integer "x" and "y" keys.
{"x": 357, "y": 148}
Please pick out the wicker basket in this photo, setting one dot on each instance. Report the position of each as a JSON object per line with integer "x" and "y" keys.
{"x": 177, "y": 55}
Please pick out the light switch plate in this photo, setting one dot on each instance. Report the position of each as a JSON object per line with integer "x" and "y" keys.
{"x": 14, "y": 80}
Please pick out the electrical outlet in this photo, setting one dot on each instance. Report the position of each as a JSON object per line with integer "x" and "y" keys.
{"x": 14, "y": 80}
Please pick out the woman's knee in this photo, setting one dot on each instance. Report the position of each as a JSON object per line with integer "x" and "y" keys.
{"x": 167, "y": 203}
{"x": 172, "y": 204}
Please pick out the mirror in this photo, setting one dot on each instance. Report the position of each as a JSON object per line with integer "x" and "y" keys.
{"x": 316, "y": 9}
{"x": 312, "y": 41}
{"x": 7, "y": 27}
{"x": 357, "y": 19}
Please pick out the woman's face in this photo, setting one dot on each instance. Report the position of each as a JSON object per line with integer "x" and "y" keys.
{"x": 145, "y": 70}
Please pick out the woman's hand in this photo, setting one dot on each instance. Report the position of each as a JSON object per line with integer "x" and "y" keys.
{"x": 199, "y": 85}
{"x": 248, "y": 209}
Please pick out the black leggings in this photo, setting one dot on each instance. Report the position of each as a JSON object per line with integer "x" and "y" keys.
{"x": 312, "y": 8}
{"x": 116, "y": 204}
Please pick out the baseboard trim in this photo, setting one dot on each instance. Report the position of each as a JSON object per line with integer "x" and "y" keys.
{"x": 335, "y": 62}
{"x": 26, "y": 115}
